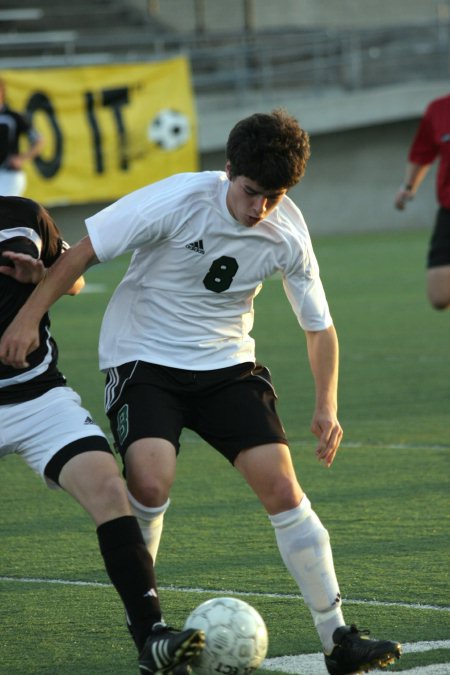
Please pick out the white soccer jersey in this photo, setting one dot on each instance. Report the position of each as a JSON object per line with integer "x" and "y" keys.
{"x": 186, "y": 300}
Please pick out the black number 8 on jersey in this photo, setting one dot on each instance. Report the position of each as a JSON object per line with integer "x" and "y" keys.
{"x": 221, "y": 273}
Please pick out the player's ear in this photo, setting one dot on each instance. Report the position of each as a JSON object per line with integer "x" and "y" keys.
{"x": 228, "y": 170}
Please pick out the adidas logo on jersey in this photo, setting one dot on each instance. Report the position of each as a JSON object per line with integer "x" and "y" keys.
{"x": 196, "y": 246}
{"x": 89, "y": 420}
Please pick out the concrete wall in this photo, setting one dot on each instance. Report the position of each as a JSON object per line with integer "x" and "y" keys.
{"x": 320, "y": 112}
{"x": 267, "y": 14}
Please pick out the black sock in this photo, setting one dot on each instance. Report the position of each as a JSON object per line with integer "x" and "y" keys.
{"x": 130, "y": 568}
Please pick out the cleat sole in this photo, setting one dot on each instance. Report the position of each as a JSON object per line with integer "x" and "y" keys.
{"x": 381, "y": 662}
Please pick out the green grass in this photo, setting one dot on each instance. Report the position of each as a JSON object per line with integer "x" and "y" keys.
{"x": 385, "y": 500}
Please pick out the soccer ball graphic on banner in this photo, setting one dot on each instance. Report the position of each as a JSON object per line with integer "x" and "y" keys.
{"x": 236, "y": 637}
{"x": 170, "y": 129}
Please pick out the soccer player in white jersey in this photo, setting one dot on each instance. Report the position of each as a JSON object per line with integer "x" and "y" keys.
{"x": 176, "y": 348}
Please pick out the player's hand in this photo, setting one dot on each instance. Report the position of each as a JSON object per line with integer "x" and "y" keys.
{"x": 16, "y": 162}
{"x": 402, "y": 197}
{"x": 24, "y": 268}
{"x": 326, "y": 427}
{"x": 18, "y": 340}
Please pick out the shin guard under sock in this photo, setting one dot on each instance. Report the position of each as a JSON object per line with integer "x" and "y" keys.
{"x": 151, "y": 520}
{"x": 305, "y": 548}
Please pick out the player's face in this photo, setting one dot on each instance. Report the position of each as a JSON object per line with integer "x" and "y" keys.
{"x": 249, "y": 203}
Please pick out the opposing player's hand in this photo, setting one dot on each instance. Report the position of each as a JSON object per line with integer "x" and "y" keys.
{"x": 24, "y": 268}
{"x": 326, "y": 427}
{"x": 18, "y": 340}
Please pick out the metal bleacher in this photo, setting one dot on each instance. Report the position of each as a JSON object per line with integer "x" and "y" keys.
{"x": 38, "y": 33}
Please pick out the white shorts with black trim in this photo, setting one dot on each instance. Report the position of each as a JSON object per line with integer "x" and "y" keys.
{"x": 38, "y": 429}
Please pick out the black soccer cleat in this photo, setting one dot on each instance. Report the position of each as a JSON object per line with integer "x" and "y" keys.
{"x": 356, "y": 653}
{"x": 169, "y": 651}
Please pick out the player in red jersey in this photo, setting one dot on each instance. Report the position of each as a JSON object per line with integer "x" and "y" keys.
{"x": 432, "y": 140}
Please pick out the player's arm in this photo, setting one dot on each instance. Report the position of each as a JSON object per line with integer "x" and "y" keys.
{"x": 37, "y": 142}
{"x": 323, "y": 353}
{"x": 414, "y": 175}
{"x": 25, "y": 269}
{"x": 22, "y": 335}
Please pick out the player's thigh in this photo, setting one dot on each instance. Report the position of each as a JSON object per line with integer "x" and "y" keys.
{"x": 238, "y": 411}
{"x": 145, "y": 410}
{"x": 269, "y": 471}
{"x": 147, "y": 420}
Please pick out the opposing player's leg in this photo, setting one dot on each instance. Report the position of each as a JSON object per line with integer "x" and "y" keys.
{"x": 94, "y": 480}
{"x": 56, "y": 436}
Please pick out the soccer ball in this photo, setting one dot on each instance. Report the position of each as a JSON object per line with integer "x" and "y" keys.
{"x": 236, "y": 637}
{"x": 170, "y": 129}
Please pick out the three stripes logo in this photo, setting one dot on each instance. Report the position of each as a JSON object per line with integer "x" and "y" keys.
{"x": 196, "y": 246}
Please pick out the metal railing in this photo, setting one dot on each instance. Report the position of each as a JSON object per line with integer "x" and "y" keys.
{"x": 234, "y": 63}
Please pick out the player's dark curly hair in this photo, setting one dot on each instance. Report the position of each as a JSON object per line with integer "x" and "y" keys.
{"x": 271, "y": 149}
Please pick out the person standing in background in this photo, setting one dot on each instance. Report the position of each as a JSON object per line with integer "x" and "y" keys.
{"x": 432, "y": 140}
{"x": 13, "y": 125}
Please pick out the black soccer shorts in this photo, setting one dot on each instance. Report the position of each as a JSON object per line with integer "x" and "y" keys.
{"x": 439, "y": 249}
{"x": 230, "y": 408}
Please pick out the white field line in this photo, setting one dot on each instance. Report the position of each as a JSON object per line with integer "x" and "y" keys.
{"x": 304, "y": 664}
{"x": 359, "y": 444}
{"x": 95, "y": 288}
{"x": 221, "y": 591}
{"x": 313, "y": 664}
{"x": 395, "y": 446}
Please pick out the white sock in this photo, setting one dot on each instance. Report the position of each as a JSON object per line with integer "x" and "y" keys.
{"x": 150, "y": 521}
{"x": 304, "y": 545}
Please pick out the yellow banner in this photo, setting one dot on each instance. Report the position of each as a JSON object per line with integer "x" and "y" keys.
{"x": 108, "y": 129}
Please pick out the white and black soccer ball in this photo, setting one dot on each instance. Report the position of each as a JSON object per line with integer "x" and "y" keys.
{"x": 170, "y": 129}
{"x": 236, "y": 637}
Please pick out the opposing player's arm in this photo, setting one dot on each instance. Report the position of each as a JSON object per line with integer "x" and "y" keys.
{"x": 22, "y": 335}
{"x": 323, "y": 353}
{"x": 26, "y": 269}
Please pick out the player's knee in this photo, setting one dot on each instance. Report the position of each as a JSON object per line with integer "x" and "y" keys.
{"x": 439, "y": 303}
{"x": 438, "y": 288}
{"x": 283, "y": 494}
{"x": 112, "y": 490}
{"x": 150, "y": 493}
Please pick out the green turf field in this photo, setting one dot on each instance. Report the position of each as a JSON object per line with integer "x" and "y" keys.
{"x": 385, "y": 501}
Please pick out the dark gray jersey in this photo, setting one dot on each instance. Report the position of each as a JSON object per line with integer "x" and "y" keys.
{"x": 25, "y": 227}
